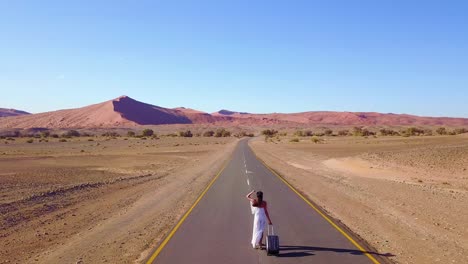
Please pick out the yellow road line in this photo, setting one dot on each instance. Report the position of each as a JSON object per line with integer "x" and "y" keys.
{"x": 173, "y": 231}
{"x": 319, "y": 212}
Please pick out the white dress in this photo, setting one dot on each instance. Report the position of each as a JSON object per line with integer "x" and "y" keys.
{"x": 259, "y": 224}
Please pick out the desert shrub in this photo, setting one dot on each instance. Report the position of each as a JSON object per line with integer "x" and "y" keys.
{"x": 208, "y": 133}
{"x": 319, "y": 134}
{"x": 71, "y": 133}
{"x": 414, "y": 131}
{"x": 451, "y": 133}
{"x": 428, "y": 132}
{"x": 460, "y": 131}
{"x": 441, "y": 131}
{"x": 187, "y": 133}
{"x": 294, "y": 140}
{"x": 147, "y": 132}
{"x": 198, "y": 134}
{"x": 316, "y": 140}
{"x": 283, "y": 134}
{"x": 299, "y": 133}
{"x": 343, "y": 132}
{"x": 54, "y": 135}
{"x": 45, "y": 134}
{"x": 250, "y": 135}
{"x": 11, "y": 139}
{"x": 222, "y": 133}
{"x": 2, "y": 137}
{"x": 62, "y": 140}
{"x": 171, "y": 135}
{"x": 328, "y": 132}
{"x": 357, "y": 131}
{"x": 154, "y": 136}
{"x": 90, "y": 139}
{"x": 130, "y": 134}
{"x": 269, "y": 132}
{"x": 110, "y": 134}
{"x": 30, "y": 140}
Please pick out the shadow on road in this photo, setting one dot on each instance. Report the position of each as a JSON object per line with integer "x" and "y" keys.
{"x": 304, "y": 251}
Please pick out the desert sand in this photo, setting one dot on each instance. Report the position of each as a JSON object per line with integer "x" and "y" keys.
{"x": 405, "y": 196}
{"x": 99, "y": 200}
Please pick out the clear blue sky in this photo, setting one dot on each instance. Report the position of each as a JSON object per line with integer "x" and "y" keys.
{"x": 255, "y": 56}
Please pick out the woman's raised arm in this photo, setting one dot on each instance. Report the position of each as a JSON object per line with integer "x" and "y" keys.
{"x": 248, "y": 196}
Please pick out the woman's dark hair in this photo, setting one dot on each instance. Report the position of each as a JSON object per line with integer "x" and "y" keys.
{"x": 259, "y": 201}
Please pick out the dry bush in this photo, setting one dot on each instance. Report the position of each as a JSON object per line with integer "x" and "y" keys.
{"x": 187, "y": 133}
{"x": 317, "y": 140}
{"x": 208, "y": 133}
{"x": 147, "y": 132}
{"x": 269, "y": 132}
{"x": 343, "y": 132}
{"x": 441, "y": 131}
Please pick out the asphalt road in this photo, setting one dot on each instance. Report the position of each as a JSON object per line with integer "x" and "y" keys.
{"x": 219, "y": 228}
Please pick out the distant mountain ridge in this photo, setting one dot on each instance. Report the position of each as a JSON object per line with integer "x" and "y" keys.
{"x": 11, "y": 112}
{"x": 127, "y": 112}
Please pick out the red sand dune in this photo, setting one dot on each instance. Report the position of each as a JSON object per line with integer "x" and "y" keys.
{"x": 120, "y": 112}
{"x": 11, "y": 112}
{"x": 352, "y": 118}
{"x": 127, "y": 112}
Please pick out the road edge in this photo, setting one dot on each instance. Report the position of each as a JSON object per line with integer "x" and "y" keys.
{"x": 151, "y": 258}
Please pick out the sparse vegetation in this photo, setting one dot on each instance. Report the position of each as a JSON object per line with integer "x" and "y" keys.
{"x": 460, "y": 131}
{"x": 45, "y": 134}
{"x": 30, "y": 140}
{"x": 222, "y": 133}
{"x": 316, "y": 140}
{"x": 110, "y": 134}
{"x": 294, "y": 140}
{"x": 441, "y": 131}
{"x": 208, "y": 133}
{"x": 243, "y": 134}
{"x": 328, "y": 132}
{"x": 71, "y": 133}
{"x": 364, "y": 132}
{"x": 62, "y": 140}
{"x": 187, "y": 133}
{"x": 147, "y": 132}
{"x": 388, "y": 132}
{"x": 269, "y": 132}
{"x": 131, "y": 134}
{"x": 343, "y": 132}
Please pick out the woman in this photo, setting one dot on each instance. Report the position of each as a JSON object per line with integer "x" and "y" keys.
{"x": 260, "y": 212}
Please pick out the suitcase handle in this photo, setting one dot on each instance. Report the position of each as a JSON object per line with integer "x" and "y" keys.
{"x": 272, "y": 230}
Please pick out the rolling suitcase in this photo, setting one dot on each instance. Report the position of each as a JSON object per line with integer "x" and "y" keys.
{"x": 272, "y": 243}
